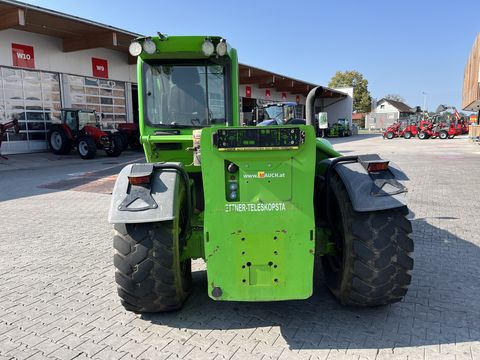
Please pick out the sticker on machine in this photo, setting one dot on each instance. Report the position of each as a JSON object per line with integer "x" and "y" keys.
{"x": 256, "y": 207}
{"x": 263, "y": 175}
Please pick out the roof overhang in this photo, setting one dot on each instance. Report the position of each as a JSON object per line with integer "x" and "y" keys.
{"x": 81, "y": 34}
{"x": 76, "y": 33}
{"x": 269, "y": 80}
{"x": 473, "y": 106}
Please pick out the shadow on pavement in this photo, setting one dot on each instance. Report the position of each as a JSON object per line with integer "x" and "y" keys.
{"x": 30, "y": 179}
{"x": 441, "y": 306}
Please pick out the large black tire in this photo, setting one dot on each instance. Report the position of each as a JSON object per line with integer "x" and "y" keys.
{"x": 373, "y": 260}
{"x": 443, "y": 135}
{"x": 135, "y": 141}
{"x": 86, "y": 147}
{"x": 124, "y": 137}
{"x": 149, "y": 274}
{"x": 390, "y": 135}
{"x": 407, "y": 135}
{"x": 58, "y": 140}
{"x": 117, "y": 145}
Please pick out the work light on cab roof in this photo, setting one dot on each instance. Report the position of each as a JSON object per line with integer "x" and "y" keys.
{"x": 149, "y": 46}
{"x": 135, "y": 48}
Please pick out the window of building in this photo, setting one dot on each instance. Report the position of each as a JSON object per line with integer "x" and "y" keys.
{"x": 103, "y": 96}
{"x": 33, "y": 98}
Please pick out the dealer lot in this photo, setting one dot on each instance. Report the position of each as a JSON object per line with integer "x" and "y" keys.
{"x": 58, "y": 295}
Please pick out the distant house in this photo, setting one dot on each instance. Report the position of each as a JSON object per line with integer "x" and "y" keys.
{"x": 359, "y": 119}
{"x": 386, "y": 113}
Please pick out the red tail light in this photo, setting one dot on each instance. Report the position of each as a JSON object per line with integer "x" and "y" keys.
{"x": 139, "y": 180}
{"x": 377, "y": 166}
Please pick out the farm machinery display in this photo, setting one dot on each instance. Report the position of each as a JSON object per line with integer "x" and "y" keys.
{"x": 257, "y": 203}
{"x": 442, "y": 125}
{"x": 80, "y": 129}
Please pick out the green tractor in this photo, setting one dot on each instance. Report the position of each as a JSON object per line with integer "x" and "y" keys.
{"x": 340, "y": 128}
{"x": 258, "y": 204}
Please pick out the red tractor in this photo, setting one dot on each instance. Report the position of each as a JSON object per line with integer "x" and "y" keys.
{"x": 80, "y": 129}
{"x": 408, "y": 129}
{"x": 392, "y": 131}
{"x": 130, "y": 135}
{"x": 433, "y": 128}
{"x": 403, "y": 128}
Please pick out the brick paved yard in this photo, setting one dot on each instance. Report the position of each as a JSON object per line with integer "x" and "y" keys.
{"x": 58, "y": 297}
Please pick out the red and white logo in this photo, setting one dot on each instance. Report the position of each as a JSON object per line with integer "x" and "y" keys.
{"x": 23, "y": 56}
{"x": 248, "y": 91}
{"x": 100, "y": 68}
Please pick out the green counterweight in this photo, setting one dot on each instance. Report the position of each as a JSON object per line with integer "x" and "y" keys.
{"x": 259, "y": 245}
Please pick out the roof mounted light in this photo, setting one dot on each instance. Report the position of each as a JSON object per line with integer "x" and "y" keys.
{"x": 149, "y": 46}
{"x": 207, "y": 48}
{"x": 135, "y": 48}
{"x": 222, "y": 47}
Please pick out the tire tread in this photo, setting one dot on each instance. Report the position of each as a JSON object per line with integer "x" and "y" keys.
{"x": 377, "y": 269}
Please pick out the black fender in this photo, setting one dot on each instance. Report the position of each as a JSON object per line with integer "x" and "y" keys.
{"x": 152, "y": 202}
{"x": 372, "y": 192}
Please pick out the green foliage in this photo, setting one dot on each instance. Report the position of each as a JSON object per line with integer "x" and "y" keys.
{"x": 394, "y": 97}
{"x": 362, "y": 100}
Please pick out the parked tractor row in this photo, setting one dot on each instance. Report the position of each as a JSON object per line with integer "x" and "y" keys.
{"x": 81, "y": 130}
{"x": 436, "y": 126}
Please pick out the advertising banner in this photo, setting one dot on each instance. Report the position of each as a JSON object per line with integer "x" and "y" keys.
{"x": 23, "y": 56}
{"x": 100, "y": 68}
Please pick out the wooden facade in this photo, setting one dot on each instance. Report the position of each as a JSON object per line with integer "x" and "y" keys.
{"x": 471, "y": 88}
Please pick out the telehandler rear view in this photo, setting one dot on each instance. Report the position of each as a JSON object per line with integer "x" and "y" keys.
{"x": 258, "y": 204}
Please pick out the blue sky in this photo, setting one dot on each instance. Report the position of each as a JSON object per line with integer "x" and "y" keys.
{"x": 404, "y": 47}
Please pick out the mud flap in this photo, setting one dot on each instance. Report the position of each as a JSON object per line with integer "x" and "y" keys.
{"x": 144, "y": 203}
{"x": 373, "y": 191}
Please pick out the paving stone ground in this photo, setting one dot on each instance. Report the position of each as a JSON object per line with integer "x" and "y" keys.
{"x": 58, "y": 297}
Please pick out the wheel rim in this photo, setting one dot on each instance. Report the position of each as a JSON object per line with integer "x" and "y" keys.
{"x": 83, "y": 148}
{"x": 111, "y": 148}
{"x": 56, "y": 140}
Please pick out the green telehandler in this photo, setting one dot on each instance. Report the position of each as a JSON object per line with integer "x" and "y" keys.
{"x": 258, "y": 204}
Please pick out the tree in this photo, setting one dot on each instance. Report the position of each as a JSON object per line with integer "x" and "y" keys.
{"x": 394, "y": 97}
{"x": 362, "y": 101}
